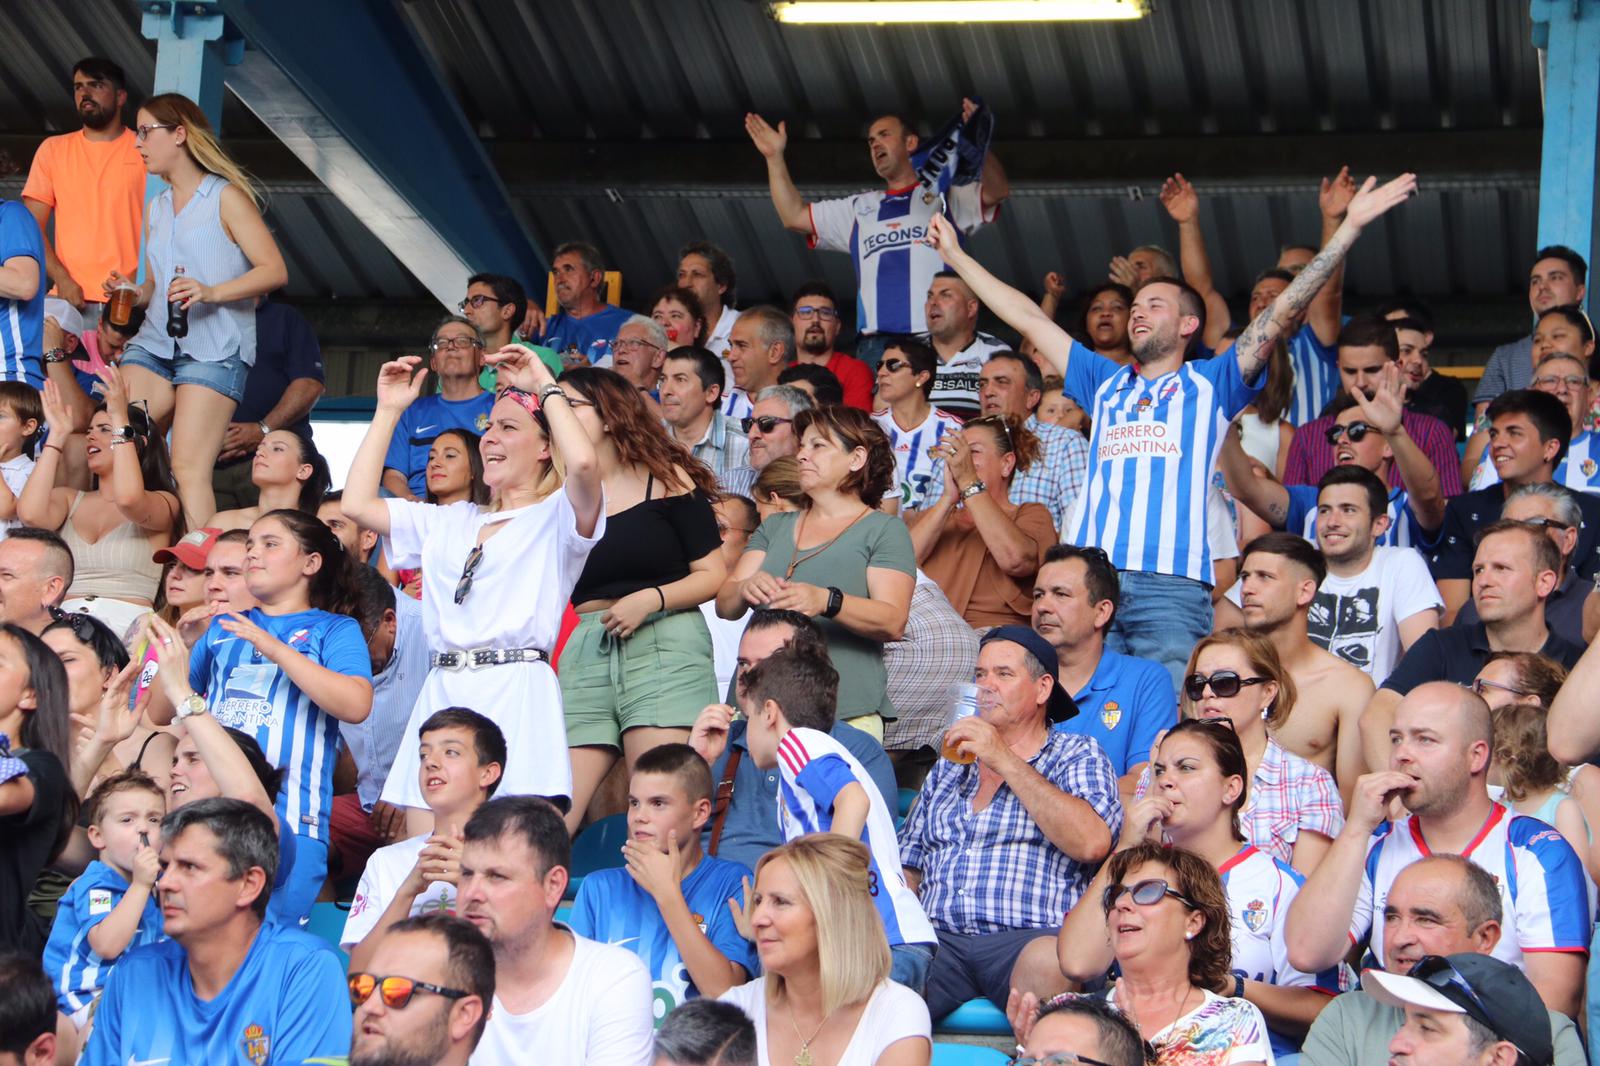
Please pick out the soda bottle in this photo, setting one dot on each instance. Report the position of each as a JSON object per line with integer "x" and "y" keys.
{"x": 177, "y": 312}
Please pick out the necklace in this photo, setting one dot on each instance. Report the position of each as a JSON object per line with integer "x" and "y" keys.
{"x": 1134, "y": 1014}
{"x": 804, "y": 1057}
{"x": 795, "y": 558}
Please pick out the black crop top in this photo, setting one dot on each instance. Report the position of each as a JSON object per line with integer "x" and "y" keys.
{"x": 651, "y": 543}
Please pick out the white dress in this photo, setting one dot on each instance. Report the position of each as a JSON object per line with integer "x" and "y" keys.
{"x": 518, "y": 594}
{"x": 893, "y": 1013}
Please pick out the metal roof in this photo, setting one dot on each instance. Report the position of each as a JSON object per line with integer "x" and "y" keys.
{"x": 620, "y": 122}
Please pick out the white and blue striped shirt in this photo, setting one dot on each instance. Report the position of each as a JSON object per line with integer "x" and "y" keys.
{"x": 883, "y": 231}
{"x": 1316, "y": 375}
{"x": 22, "y": 321}
{"x": 1404, "y": 530}
{"x": 1579, "y": 469}
{"x": 914, "y": 468}
{"x": 247, "y": 692}
{"x": 1151, "y": 453}
{"x": 75, "y": 969}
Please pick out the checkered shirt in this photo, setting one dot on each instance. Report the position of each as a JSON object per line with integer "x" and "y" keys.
{"x": 939, "y": 652}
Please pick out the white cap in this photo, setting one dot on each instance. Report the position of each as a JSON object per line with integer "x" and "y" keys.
{"x": 66, "y": 316}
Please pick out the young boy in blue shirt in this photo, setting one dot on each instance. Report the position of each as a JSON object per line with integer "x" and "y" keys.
{"x": 669, "y": 904}
{"x": 111, "y": 906}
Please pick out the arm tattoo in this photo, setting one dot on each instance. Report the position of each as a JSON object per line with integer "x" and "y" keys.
{"x": 1255, "y": 343}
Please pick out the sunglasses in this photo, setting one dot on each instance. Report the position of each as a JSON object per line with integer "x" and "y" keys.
{"x": 766, "y": 423}
{"x": 1060, "y": 1058}
{"x": 464, "y": 586}
{"x": 1355, "y": 430}
{"x": 1547, "y": 523}
{"x": 1146, "y": 893}
{"x": 396, "y": 991}
{"x": 1224, "y": 684}
{"x": 894, "y": 366}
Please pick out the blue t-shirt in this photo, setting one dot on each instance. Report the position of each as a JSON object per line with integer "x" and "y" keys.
{"x": 613, "y": 909}
{"x": 592, "y": 336}
{"x": 22, "y": 321}
{"x": 76, "y": 971}
{"x": 251, "y": 694}
{"x": 286, "y": 1003}
{"x": 425, "y": 420}
{"x": 1124, "y": 707}
{"x": 287, "y": 854}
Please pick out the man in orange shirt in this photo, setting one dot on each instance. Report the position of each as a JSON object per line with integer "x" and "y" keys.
{"x": 93, "y": 182}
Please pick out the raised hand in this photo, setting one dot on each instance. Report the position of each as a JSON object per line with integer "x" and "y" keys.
{"x": 56, "y": 413}
{"x": 1387, "y": 405}
{"x": 769, "y": 142}
{"x": 1336, "y": 193}
{"x": 944, "y": 238}
{"x": 969, "y": 107}
{"x": 519, "y": 367}
{"x": 1180, "y": 199}
{"x": 1055, "y": 285}
{"x": 1374, "y": 200}
{"x": 709, "y": 734}
{"x": 399, "y": 384}
{"x": 741, "y": 914}
{"x": 116, "y": 392}
{"x": 1122, "y": 272}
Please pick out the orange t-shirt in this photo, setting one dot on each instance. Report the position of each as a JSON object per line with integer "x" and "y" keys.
{"x": 97, "y": 191}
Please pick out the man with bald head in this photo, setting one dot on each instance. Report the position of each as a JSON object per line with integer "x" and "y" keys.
{"x": 1439, "y": 905}
{"x": 1439, "y": 748}
{"x": 35, "y": 573}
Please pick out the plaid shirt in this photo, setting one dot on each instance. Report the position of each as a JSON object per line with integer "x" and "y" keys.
{"x": 1286, "y": 794}
{"x": 994, "y": 870}
{"x": 1055, "y": 479}
{"x": 722, "y": 448}
{"x": 938, "y": 652}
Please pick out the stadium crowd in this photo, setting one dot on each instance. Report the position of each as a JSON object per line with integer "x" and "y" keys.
{"x": 1244, "y": 713}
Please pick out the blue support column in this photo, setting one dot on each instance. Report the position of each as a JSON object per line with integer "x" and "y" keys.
{"x": 1569, "y": 33}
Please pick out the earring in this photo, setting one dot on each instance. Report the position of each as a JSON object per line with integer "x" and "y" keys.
{"x": 1188, "y": 936}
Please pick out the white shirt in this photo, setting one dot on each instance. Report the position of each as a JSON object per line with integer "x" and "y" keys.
{"x": 1578, "y": 470}
{"x": 600, "y": 1016}
{"x": 1358, "y": 617}
{"x": 725, "y": 637}
{"x": 717, "y": 342}
{"x": 386, "y": 871}
{"x": 913, "y": 466}
{"x": 893, "y": 1013}
{"x": 15, "y": 471}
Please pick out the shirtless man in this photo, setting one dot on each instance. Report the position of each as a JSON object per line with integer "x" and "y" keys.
{"x": 1279, "y": 574}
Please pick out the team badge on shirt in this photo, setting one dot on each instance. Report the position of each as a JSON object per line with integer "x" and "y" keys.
{"x": 1111, "y": 714}
{"x": 100, "y": 901}
{"x": 1588, "y": 467}
{"x": 1255, "y": 915}
{"x": 482, "y": 422}
{"x": 256, "y": 1044}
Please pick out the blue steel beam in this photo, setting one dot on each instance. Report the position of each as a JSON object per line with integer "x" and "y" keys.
{"x": 351, "y": 90}
{"x": 1568, "y": 31}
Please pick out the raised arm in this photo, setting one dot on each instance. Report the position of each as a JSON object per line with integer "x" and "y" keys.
{"x": 42, "y": 505}
{"x": 1013, "y": 306}
{"x": 993, "y": 186}
{"x": 151, "y": 511}
{"x": 1183, "y": 204}
{"x": 1417, "y": 472}
{"x": 399, "y": 384}
{"x": 791, "y": 206}
{"x": 521, "y": 368}
{"x": 1255, "y": 343}
{"x": 1333, "y": 200}
{"x": 1573, "y": 727}
{"x": 1268, "y": 499}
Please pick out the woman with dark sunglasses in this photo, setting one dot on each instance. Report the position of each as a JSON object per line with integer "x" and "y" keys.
{"x": 1163, "y": 914}
{"x": 496, "y": 578}
{"x": 976, "y": 545}
{"x": 1292, "y": 809}
{"x": 1197, "y": 793}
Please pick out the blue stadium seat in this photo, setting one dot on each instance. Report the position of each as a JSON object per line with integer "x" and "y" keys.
{"x": 598, "y": 847}
{"x": 907, "y": 797}
{"x": 975, "y": 1017}
{"x": 327, "y": 923}
{"x": 967, "y": 1055}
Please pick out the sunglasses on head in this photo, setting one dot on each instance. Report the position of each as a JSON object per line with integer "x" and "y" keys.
{"x": 766, "y": 423}
{"x": 1224, "y": 684}
{"x": 396, "y": 991}
{"x": 1354, "y": 430}
{"x": 1146, "y": 893}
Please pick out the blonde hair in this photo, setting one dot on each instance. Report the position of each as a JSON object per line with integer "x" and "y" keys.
{"x": 1263, "y": 659}
{"x": 835, "y": 878}
{"x": 200, "y": 141}
{"x": 781, "y": 478}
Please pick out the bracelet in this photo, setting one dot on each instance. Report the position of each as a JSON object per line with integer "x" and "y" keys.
{"x": 550, "y": 392}
{"x": 63, "y": 451}
{"x": 115, "y": 441}
{"x": 663, "y": 596}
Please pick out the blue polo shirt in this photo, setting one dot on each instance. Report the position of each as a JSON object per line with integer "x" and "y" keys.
{"x": 1125, "y": 706}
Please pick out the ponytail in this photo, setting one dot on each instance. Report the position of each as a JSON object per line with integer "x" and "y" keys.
{"x": 333, "y": 587}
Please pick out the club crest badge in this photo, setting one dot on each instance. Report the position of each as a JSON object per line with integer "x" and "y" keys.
{"x": 256, "y": 1044}
{"x": 1111, "y": 714}
{"x": 927, "y": 196}
{"x": 1255, "y": 915}
{"x": 1588, "y": 467}
{"x": 482, "y": 422}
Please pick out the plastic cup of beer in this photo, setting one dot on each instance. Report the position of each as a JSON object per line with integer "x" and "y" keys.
{"x": 963, "y": 704}
{"x": 123, "y": 298}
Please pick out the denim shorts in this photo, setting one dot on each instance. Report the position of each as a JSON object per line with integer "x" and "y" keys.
{"x": 223, "y": 375}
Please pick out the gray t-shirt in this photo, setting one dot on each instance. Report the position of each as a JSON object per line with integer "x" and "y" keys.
{"x": 1355, "y": 1030}
{"x": 1510, "y": 367}
{"x": 876, "y": 541}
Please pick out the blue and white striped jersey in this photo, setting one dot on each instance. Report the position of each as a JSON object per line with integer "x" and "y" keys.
{"x": 1316, "y": 375}
{"x": 1404, "y": 530}
{"x": 813, "y": 768}
{"x": 883, "y": 231}
{"x": 245, "y": 691}
{"x": 1579, "y": 469}
{"x": 22, "y": 321}
{"x": 75, "y": 970}
{"x": 1151, "y": 453}
{"x": 914, "y": 468}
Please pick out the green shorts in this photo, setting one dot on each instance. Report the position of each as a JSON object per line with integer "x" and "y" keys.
{"x": 662, "y": 676}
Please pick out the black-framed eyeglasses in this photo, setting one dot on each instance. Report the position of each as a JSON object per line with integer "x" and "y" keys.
{"x": 396, "y": 991}
{"x": 464, "y": 586}
{"x": 142, "y": 132}
{"x": 1440, "y": 972}
{"x": 634, "y": 344}
{"x": 1224, "y": 684}
{"x": 477, "y": 300}
{"x": 1354, "y": 430}
{"x": 826, "y": 314}
{"x": 1146, "y": 893}
{"x": 1482, "y": 688}
{"x": 1059, "y": 1058}
{"x": 894, "y": 366}
{"x": 1547, "y": 523}
{"x": 459, "y": 344}
{"x": 766, "y": 423}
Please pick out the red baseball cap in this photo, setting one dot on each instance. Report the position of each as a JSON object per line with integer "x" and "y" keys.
{"x": 193, "y": 550}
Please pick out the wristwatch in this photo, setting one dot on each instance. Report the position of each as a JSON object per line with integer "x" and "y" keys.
{"x": 191, "y": 705}
{"x": 973, "y": 489}
{"x": 56, "y": 355}
{"x": 264, "y": 428}
{"x": 835, "y": 602}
